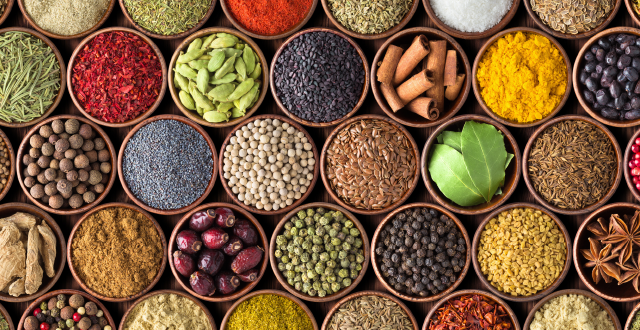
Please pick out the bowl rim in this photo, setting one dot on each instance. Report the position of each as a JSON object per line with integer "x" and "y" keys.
{"x": 5, "y": 314}
{"x": 625, "y": 164}
{"x": 634, "y": 15}
{"x": 12, "y": 167}
{"x": 4, "y": 16}
{"x": 634, "y": 311}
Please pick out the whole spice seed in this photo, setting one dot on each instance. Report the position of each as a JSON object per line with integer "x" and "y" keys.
{"x": 471, "y": 312}
{"x": 66, "y": 17}
{"x": 463, "y": 15}
{"x": 30, "y": 75}
{"x": 3, "y": 323}
{"x": 167, "y": 311}
{"x": 60, "y": 313}
{"x": 5, "y": 164}
{"x": 269, "y": 312}
{"x": 634, "y": 163}
{"x": 635, "y": 325}
{"x": 269, "y": 17}
{"x": 167, "y": 17}
{"x": 369, "y": 17}
{"x": 572, "y": 164}
{"x": 372, "y": 313}
{"x": 572, "y": 16}
{"x": 370, "y": 164}
{"x": 3, "y": 7}
{"x": 571, "y": 312}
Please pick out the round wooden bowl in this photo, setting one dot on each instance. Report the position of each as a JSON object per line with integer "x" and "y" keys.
{"x": 631, "y": 317}
{"x": 169, "y": 37}
{"x": 512, "y": 174}
{"x": 183, "y": 120}
{"x": 603, "y": 304}
{"x": 527, "y": 179}
{"x": 84, "y": 285}
{"x": 476, "y": 86}
{"x": 283, "y": 280}
{"x": 578, "y": 36}
{"x": 292, "y": 30}
{"x": 542, "y": 293}
{"x": 632, "y": 12}
{"x": 628, "y": 157}
{"x": 142, "y": 116}
{"x": 9, "y": 209}
{"x": 176, "y": 292}
{"x": 194, "y": 115}
{"x": 404, "y": 39}
{"x": 461, "y": 276}
{"x": 12, "y": 168}
{"x": 456, "y": 294}
{"x": 610, "y": 291}
{"x": 251, "y": 208}
{"x": 24, "y": 149}
{"x": 365, "y": 88}
{"x": 472, "y": 35}
{"x": 385, "y": 34}
{"x": 32, "y": 23}
{"x": 3, "y": 17}
{"x": 240, "y": 214}
{"x": 579, "y": 88}
{"x": 63, "y": 74}
{"x": 336, "y": 307}
{"x": 7, "y": 317}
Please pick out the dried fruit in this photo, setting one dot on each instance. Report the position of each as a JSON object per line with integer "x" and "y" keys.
{"x": 227, "y": 282}
{"x": 188, "y": 241}
{"x": 210, "y": 261}
{"x": 247, "y": 259}
{"x": 225, "y": 217}
{"x": 202, "y": 283}
{"x": 184, "y": 263}
{"x": 249, "y": 276}
{"x": 246, "y": 231}
{"x": 201, "y": 221}
{"x": 233, "y": 246}
{"x": 215, "y": 238}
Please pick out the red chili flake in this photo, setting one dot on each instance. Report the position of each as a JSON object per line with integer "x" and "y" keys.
{"x": 116, "y": 77}
{"x": 472, "y": 312}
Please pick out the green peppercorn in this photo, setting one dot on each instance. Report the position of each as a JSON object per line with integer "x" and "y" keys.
{"x": 60, "y": 304}
{"x": 322, "y": 293}
{"x": 299, "y": 223}
{"x": 318, "y": 249}
{"x": 346, "y": 246}
{"x": 335, "y": 286}
{"x": 288, "y": 225}
{"x": 306, "y": 286}
{"x": 288, "y": 267}
{"x": 281, "y": 267}
{"x": 303, "y": 232}
{"x": 333, "y": 255}
{"x": 333, "y": 232}
{"x": 281, "y": 240}
{"x": 293, "y": 231}
{"x": 295, "y": 260}
{"x": 353, "y": 274}
{"x": 297, "y": 286}
{"x": 359, "y": 258}
{"x": 346, "y": 282}
{"x": 342, "y": 255}
{"x": 328, "y": 271}
{"x": 43, "y": 306}
{"x": 311, "y": 274}
{"x": 301, "y": 214}
{"x": 342, "y": 235}
{"x": 321, "y": 210}
{"x": 358, "y": 243}
{"x": 70, "y": 323}
{"x": 329, "y": 247}
{"x": 312, "y": 292}
{"x": 287, "y": 233}
{"x": 61, "y": 324}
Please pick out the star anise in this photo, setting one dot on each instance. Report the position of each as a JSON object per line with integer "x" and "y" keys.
{"x": 624, "y": 237}
{"x": 631, "y": 272}
{"x": 598, "y": 259}
{"x": 601, "y": 228}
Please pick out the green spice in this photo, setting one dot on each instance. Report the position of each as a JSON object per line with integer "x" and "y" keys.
{"x": 369, "y": 17}
{"x": 66, "y": 17}
{"x": 635, "y": 325}
{"x": 269, "y": 312}
{"x": 3, "y": 6}
{"x": 3, "y": 323}
{"x": 167, "y": 17}
{"x": 29, "y": 77}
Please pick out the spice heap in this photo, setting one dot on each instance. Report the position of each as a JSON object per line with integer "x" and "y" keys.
{"x": 58, "y": 313}
{"x": 439, "y": 70}
{"x": 26, "y": 247}
{"x": 113, "y": 239}
{"x": 421, "y": 252}
{"x": 269, "y": 17}
{"x": 563, "y": 17}
{"x": 169, "y": 17}
{"x": 522, "y": 251}
{"x": 634, "y": 163}
{"x": 463, "y": 15}
{"x": 479, "y": 147}
{"x": 371, "y": 164}
{"x": 5, "y": 165}
{"x": 269, "y": 312}
{"x": 379, "y": 312}
{"x": 3, "y": 7}
{"x": 219, "y": 84}
{"x": 116, "y": 77}
{"x": 635, "y": 324}
{"x": 611, "y": 77}
{"x": 471, "y": 312}
{"x": 269, "y": 164}
{"x": 231, "y": 254}
{"x": 319, "y": 77}
{"x": 522, "y": 77}
{"x": 572, "y": 164}
{"x": 4, "y": 325}
{"x": 31, "y": 77}
{"x": 366, "y": 17}
{"x": 66, "y": 17}
{"x": 66, "y": 157}
{"x": 571, "y": 312}
{"x": 167, "y": 311}
{"x": 167, "y": 164}
{"x": 320, "y": 252}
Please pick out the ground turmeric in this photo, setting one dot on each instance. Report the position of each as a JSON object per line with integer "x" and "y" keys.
{"x": 522, "y": 77}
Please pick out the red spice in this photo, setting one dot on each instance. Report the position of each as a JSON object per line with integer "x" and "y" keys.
{"x": 472, "y": 312}
{"x": 116, "y": 77}
{"x": 269, "y": 17}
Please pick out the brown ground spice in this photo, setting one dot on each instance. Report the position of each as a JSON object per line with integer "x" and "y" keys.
{"x": 117, "y": 252}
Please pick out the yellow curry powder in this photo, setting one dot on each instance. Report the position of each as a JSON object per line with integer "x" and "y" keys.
{"x": 269, "y": 312}
{"x": 522, "y": 77}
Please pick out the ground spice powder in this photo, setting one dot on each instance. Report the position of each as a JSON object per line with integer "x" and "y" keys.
{"x": 269, "y": 312}
{"x": 571, "y": 312}
{"x": 117, "y": 252}
{"x": 269, "y": 17}
{"x": 66, "y": 17}
{"x": 167, "y": 311}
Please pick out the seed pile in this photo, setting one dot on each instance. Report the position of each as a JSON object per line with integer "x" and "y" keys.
{"x": 370, "y": 164}
{"x": 571, "y": 312}
{"x": 634, "y": 163}
{"x": 635, "y": 325}
{"x": 4, "y": 325}
{"x": 5, "y": 164}
{"x": 471, "y": 15}
{"x": 269, "y": 312}
{"x": 60, "y": 313}
{"x": 572, "y": 16}
{"x": 167, "y": 17}
{"x": 370, "y": 312}
{"x": 369, "y": 17}
{"x": 3, "y": 7}
{"x": 66, "y": 17}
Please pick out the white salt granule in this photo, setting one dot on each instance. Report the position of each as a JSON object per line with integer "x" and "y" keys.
{"x": 471, "y": 15}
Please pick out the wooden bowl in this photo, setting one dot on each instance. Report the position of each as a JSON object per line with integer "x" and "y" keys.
{"x": 461, "y": 276}
{"x": 183, "y": 120}
{"x": 542, "y": 293}
{"x": 240, "y": 214}
{"x": 84, "y": 285}
{"x": 527, "y": 179}
{"x": 512, "y": 174}
{"x": 24, "y": 149}
{"x": 472, "y": 35}
{"x": 169, "y": 37}
{"x": 176, "y": 292}
{"x": 32, "y": 23}
{"x": 61, "y": 249}
{"x": 7, "y": 317}
{"x": 603, "y": 304}
{"x": 304, "y": 307}
{"x": 12, "y": 168}
{"x": 476, "y": 86}
{"x": 632, "y": 12}
{"x": 336, "y": 307}
{"x": 142, "y": 116}
{"x": 3, "y": 17}
{"x": 631, "y": 317}
{"x": 63, "y": 73}
{"x": 628, "y": 157}
{"x": 241, "y": 28}
{"x": 610, "y": 291}
{"x": 253, "y": 209}
{"x": 194, "y": 115}
{"x": 283, "y": 280}
{"x": 456, "y": 294}
{"x": 365, "y": 88}
{"x": 404, "y": 39}
{"x": 579, "y": 88}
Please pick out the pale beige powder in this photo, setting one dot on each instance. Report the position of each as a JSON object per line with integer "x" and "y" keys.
{"x": 167, "y": 311}
{"x": 66, "y": 17}
{"x": 571, "y": 312}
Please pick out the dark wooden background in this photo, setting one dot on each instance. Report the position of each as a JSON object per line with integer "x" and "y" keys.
{"x": 421, "y": 194}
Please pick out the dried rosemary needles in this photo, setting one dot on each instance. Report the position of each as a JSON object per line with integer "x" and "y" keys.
{"x": 371, "y": 313}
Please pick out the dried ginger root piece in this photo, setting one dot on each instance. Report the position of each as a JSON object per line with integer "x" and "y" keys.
{"x": 33, "y": 279}
{"x": 12, "y": 255}
{"x": 47, "y": 248}
{"x": 24, "y": 221}
{"x": 16, "y": 288}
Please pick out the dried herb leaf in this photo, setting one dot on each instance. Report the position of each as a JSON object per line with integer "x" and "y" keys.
{"x": 483, "y": 151}
{"x": 449, "y": 172}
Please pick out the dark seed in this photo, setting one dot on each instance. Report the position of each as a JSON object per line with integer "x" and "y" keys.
{"x": 602, "y": 97}
{"x": 609, "y": 113}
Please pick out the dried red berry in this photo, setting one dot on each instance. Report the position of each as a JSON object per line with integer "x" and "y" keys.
{"x": 215, "y": 238}
{"x": 225, "y": 217}
{"x": 249, "y": 276}
{"x": 201, "y": 221}
{"x": 233, "y": 246}
{"x": 37, "y": 311}
{"x": 246, "y": 231}
{"x": 76, "y": 317}
{"x": 247, "y": 259}
{"x": 227, "y": 282}
{"x": 202, "y": 283}
{"x": 188, "y": 241}
{"x": 46, "y": 326}
{"x": 184, "y": 263}
{"x": 210, "y": 261}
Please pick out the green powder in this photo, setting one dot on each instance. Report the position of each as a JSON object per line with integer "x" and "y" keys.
{"x": 269, "y": 312}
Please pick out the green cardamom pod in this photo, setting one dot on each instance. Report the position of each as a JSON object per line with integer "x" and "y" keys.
{"x": 228, "y": 52}
{"x": 205, "y": 57}
{"x": 226, "y": 67}
{"x": 241, "y": 68}
{"x": 196, "y": 44}
{"x": 198, "y": 64}
{"x": 229, "y": 77}
{"x": 225, "y": 106}
{"x": 199, "y": 110}
{"x": 202, "y": 81}
{"x": 217, "y": 59}
{"x": 186, "y": 71}
{"x": 207, "y": 41}
{"x": 223, "y": 42}
{"x": 242, "y": 89}
{"x": 239, "y": 46}
{"x": 227, "y": 35}
{"x": 247, "y": 99}
{"x": 237, "y": 113}
{"x": 180, "y": 81}
{"x": 257, "y": 72}
{"x": 215, "y": 117}
{"x": 187, "y": 100}
{"x": 190, "y": 56}
{"x": 201, "y": 100}
{"x": 249, "y": 58}
{"x": 221, "y": 92}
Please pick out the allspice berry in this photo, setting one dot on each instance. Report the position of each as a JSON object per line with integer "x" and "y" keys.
{"x": 50, "y": 174}
{"x": 29, "y": 181}
{"x": 66, "y": 196}
{"x": 59, "y": 175}
{"x": 41, "y": 178}
{"x": 81, "y": 189}
{"x": 76, "y": 300}
{"x": 57, "y": 126}
{"x": 45, "y": 199}
{"x": 84, "y": 323}
{"x": 33, "y": 169}
{"x": 47, "y": 149}
{"x": 67, "y": 313}
{"x": 51, "y": 304}
{"x": 89, "y": 197}
{"x": 64, "y": 135}
{"x": 86, "y": 131}
{"x": 53, "y": 139}
{"x": 66, "y": 165}
{"x": 51, "y": 189}
{"x": 75, "y": 201}
{"x": 83, "y": 175}
{"x": 70, "y": 153}
{"x": 98, "y": 189}
{"x": 95, "y": 327}
{"x": 99, "y": 144}
{"x": 64, "y": 186}
{"x": 91, "y": 308}
{"x": 76, "y": 141}
{"x": 62, "y": 145}
{"x": 54, "y": 164}
{"x": 37, "y": 191}
{"x": 31, "y": 323}
{"x": 92, "y": 155}
{"x": 105, "y": 167}
{"x": 95, "y": 177}
{"x": 26, "y": 160}
{"x": 36, "y": 141}
{"x": 58, "y": 155}
{"x": 75, "y": 183}
{"x": 72, "y": 126}
{"x": 35, "y": 153}
{"x": 44, "y": 162}
{"x": 87, "y": 145}
{"x": 81, "y": 161}
{"x": 45, "y": 131}
{"x": 72, "y": 175}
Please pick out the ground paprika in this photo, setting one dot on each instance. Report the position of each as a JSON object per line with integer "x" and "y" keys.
{"x": 269, "y": 17}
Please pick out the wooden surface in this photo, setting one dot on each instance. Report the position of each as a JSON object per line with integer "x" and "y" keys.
{"x": 319, "y": 194}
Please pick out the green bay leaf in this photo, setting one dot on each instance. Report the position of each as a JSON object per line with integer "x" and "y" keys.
{"x": 509, "y": 158}
{"x": 452, "y": 139}
{"x": 448, "y": 171}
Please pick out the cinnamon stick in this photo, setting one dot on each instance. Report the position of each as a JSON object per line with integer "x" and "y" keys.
{"x": 389, "y": 93}
{"x": 418, "y": 50}
{"x": 454, "y": 90}
{"x": 435, "y": 63}
{"x": 451, "y": 68}
{"x": 387, "y": 69}
{"x": 418, "y": 84}
{"x": 425, "y": 107}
